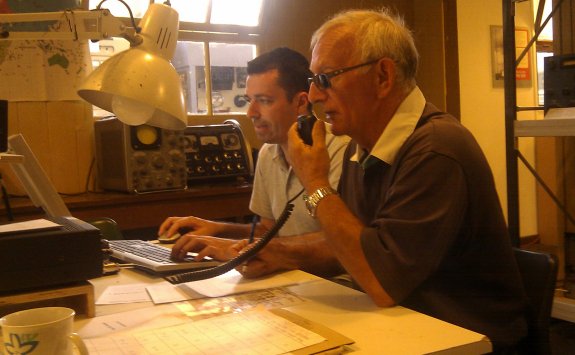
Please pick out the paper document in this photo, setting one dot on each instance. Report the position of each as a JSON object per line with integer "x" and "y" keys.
{"x": 252, "y": 332}
{"x": 124, "y": 294}
{"x": 134, "y": 320}
{"x": 232, "y": 282}
{"x": 165, "y": 292}
{"x": 212, "y": 307}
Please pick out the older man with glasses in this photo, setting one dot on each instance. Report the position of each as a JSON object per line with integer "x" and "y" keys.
{"x": 416, "y": 220}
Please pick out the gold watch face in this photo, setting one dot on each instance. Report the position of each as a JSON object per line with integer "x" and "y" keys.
{"x": 309, "y": 205}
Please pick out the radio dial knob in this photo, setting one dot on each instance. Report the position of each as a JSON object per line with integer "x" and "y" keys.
{"x": 140, "y": 159}
{"x": 172, "y": 140}
{"x": 231, "y": 140}
{"x": 147, "y": 183}
{"x": 175, "y": 155}
{"x": 158, "y": 162}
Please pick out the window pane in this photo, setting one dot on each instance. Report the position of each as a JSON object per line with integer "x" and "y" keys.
{"x": 234, "y": 12}
{"x": 228, "y": 66}
{"x": 118, "y": 9}
{"x": 189, "y": 63}
{"x": 547, "y": 33}
{"x": 190, "y": 11}
{"x": 540, "y": 76}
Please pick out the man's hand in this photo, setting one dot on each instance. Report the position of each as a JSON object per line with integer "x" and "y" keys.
{"x": 191, "y": 224}
{"x": 216, "y": 248}
{"x": 272, "y": 258}
{"x": 310, "y": 163}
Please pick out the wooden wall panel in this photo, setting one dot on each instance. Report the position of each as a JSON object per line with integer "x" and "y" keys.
{"x": 60, "y": 134}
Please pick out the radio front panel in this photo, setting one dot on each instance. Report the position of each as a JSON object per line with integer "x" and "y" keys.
{"x": 139, "y": 158}
{"x": 215, "y": 152}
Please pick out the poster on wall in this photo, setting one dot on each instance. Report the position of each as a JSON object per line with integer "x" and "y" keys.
{"x": 522, "y": 70}
{"x": 41, "y": 70}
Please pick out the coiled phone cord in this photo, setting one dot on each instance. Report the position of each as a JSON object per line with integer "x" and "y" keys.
{"x": 240, "y": 259}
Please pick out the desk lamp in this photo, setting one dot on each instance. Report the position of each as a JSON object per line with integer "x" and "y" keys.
{"x": 139, "y": 85}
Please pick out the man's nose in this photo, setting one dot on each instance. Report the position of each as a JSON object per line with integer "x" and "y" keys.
{"x": 315, "y": 94}
{"x": 252, "y": 111}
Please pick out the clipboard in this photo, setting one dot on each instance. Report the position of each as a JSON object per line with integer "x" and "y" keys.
{"x": 334, "y": 344}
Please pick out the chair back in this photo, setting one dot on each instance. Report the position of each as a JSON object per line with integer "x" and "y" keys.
{"x": 539, "y": 274}
{"x": 108, "y": 227}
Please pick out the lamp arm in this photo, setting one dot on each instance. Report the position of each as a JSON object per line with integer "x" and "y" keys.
{"x": 71, "y": 25}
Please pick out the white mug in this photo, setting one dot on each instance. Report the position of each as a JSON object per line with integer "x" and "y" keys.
{"x": 36, "y": 331}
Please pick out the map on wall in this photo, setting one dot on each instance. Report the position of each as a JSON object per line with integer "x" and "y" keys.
{"x": 41, "y": 70}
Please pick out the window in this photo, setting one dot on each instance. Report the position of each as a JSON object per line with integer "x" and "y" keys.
{"x": 544, "y": 46}
{"x": 216, "y": 39}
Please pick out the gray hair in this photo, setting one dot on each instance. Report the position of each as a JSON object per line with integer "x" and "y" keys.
{"x": 376, "y": 34}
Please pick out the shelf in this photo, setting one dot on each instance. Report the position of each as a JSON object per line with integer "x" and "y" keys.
{"x": 562, "y": 127}
{"x": 563, "y": 308}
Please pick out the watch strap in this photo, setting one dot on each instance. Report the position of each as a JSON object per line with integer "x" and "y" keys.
{"x": 313, "y": 200}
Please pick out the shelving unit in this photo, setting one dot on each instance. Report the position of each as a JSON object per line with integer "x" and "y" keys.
{"x": 563, "y": 308}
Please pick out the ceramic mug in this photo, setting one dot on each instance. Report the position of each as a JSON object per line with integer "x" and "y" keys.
{"x": 36, "y": 331}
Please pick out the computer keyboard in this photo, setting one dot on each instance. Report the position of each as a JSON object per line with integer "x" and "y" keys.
{"x": 155, "y": 258}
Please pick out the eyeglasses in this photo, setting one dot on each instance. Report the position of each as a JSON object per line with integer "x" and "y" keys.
{"x": 322, "y": 80}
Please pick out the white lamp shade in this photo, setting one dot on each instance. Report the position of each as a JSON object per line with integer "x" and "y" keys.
{"x": 140, "y": 85}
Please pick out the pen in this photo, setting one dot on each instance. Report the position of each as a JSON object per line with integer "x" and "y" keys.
{"x": 253, "y": 231}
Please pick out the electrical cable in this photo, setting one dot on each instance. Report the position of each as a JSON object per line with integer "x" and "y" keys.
{"x": 136, "y": 28}
{"x": 240, "y": 259}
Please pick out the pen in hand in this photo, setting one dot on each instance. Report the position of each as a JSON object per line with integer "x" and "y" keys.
{"x": 253, "y": 230}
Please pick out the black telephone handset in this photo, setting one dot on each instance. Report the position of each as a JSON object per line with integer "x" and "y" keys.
{"x": 304, "y": 126}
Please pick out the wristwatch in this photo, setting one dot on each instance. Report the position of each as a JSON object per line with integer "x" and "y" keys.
{"x": 312, "y": 200}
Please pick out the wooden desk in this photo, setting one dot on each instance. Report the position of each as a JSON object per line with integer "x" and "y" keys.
{"x": 140, "y": 211}
{"x": 375, "y": 330}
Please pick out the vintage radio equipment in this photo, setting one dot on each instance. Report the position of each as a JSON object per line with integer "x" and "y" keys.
{"x": 559, "y": 84}
{"x": 68, "y": 252}
{"x": 218, "y": 151}
{"x": 139, "y": 159}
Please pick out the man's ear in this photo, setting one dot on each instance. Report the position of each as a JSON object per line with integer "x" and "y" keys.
{"x": 386, "y": 75}
{"x": 302, "y": 102}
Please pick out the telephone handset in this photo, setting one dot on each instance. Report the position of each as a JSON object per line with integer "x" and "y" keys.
{"x": 304, "y": 127}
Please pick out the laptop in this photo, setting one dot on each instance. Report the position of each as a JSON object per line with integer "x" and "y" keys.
{"x": 155, "y": 258}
